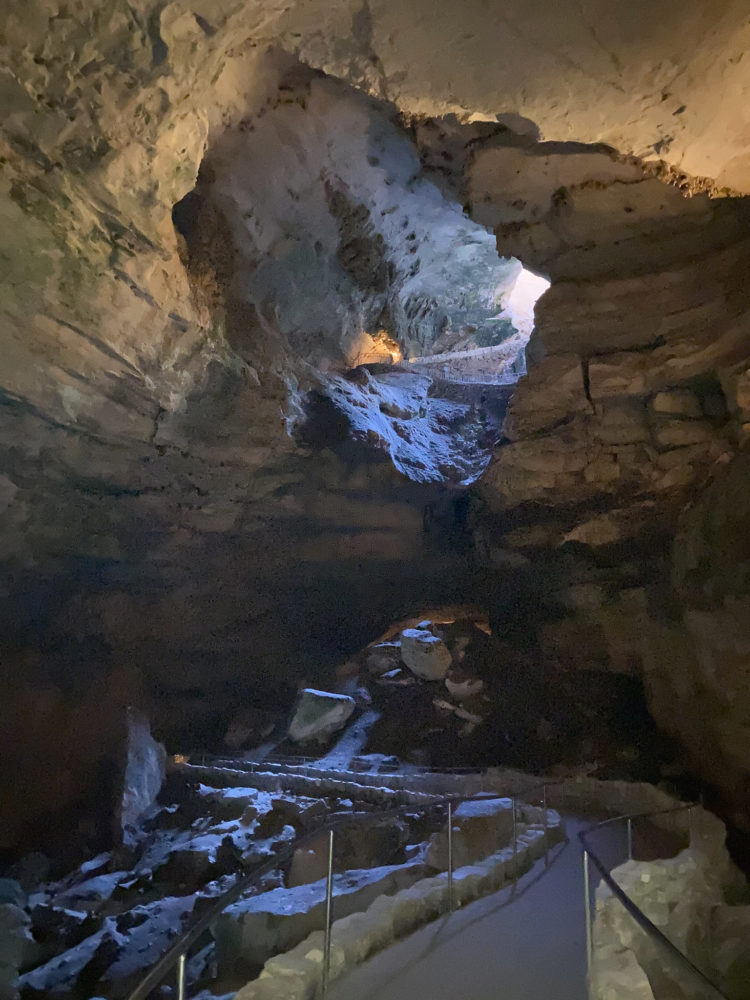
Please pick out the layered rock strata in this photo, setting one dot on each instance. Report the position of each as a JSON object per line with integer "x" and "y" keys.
{"x": 159, "y": 519}
{"x": 633, "y": 406}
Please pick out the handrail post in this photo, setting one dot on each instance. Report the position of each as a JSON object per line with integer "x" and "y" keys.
{"x": 173, "y": 961}
{"x": 544, "y": 821}
{"x": 630, "y": 838}
{"x": 450, "y": 857}
{"x": 587, "y": 911}
{"x": 181, "y": 977}
{"x": 329, "y": 914}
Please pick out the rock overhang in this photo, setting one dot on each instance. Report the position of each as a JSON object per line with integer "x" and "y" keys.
{"x": 141, "y": 426}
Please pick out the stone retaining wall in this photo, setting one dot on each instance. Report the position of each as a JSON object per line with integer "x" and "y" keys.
{"x": 702, "y": 883}
{"x": 691, "y": 898}
{"x": 297, "y": 974}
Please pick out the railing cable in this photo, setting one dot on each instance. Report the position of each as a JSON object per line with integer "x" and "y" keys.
{"x": 175, "y": 955}
{"x": 632, "y": 908}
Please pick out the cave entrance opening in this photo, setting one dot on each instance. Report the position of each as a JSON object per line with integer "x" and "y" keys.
{"x": 494, "y": 351}
{"x": 432, "y": 389}
{"x": 326, "y": 255}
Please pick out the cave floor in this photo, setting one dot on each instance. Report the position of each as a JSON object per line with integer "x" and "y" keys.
{"x": 522, "y": 943}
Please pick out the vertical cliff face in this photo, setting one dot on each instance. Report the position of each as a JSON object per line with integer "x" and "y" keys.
{"x": 211, "y": 215}
{"x": 633, "y": 406}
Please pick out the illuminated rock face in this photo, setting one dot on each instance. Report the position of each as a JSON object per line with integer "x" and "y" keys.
{"x": 318, "y": 714}
{"x": 425, "y": 654}
{"x": 626, "y": 427}
{"x": 164, "y": 500}
{"x": 365, "y": 239}
{"x": 144, "y": 773}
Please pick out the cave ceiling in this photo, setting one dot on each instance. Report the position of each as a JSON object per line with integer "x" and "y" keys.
{"x": 211, "y": 212}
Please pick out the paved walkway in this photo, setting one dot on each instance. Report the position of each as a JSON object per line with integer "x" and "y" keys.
{"x": 525, "y": 942}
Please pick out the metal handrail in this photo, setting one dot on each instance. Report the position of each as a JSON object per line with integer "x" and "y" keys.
{"x": 632, "y": 908}
{"x": 175, "y": 954}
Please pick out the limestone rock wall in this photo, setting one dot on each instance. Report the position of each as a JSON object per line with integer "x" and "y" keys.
{"x": 158, "y": 517}
{"x": 632, "y": 407}
{"x": 170, "y": 537}
{"x": 691, "y": 897}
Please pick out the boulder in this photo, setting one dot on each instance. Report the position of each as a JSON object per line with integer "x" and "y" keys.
{"x": 145, "y": 768}
{"x": 317, "y": 714}
{"x": 383, "y": 658}
{"x": 616, "y": 975}
{"x": 680, "y": 433}
{"x": 309, "y": 863}
{"x": 11, "y": 891}
{"x": 373, "y": 844}
{"x": 88, "y": 895}
{"x": 729, "y": 934}
{"x": 480, "y": 828}
{"x": 56, "y": 925}
{"x": 424, "y": 654}
{"x": 31, "y": 871}
{"x": 301, "y": 812}
{"x": 17, "y": 947}
{"x": 683, "y": 896}
{"x": 233, "y": 803}
{"x": 461, "y": 684}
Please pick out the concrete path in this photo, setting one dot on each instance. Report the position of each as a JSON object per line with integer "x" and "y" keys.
{"x": 523, "y": 943}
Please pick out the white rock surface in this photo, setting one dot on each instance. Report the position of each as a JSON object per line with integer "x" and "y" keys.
{"x": 479, "y": 829}
{"x": 144, "y": 774}
{"x": 424, "y": 654}
{"x": 259, "y": 928}
{"x": 317, "y": 714}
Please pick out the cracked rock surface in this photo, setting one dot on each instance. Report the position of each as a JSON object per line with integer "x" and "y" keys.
{"x": 210, "y": 215}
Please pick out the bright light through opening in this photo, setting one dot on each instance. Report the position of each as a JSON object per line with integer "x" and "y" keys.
{"x": 522, "y": 299}
{"x": 505, "y": 360}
